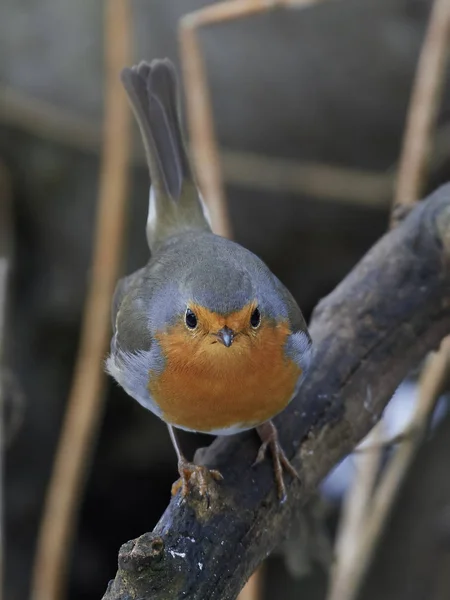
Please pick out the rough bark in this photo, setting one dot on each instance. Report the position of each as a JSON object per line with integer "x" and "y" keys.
{"x": 377, "y": 324}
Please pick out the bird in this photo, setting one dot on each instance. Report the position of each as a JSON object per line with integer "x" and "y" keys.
{"x": 204, "y": 335}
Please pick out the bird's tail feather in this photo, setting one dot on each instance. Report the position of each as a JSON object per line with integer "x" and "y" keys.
{"x": 175, "y": 204}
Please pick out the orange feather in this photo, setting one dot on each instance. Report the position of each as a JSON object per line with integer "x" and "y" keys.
{"x": 206, "y": 386}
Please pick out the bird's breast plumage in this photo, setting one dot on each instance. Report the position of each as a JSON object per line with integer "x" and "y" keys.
{"x": 207, "y": 387}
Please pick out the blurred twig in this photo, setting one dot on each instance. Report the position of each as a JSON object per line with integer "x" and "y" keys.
{"x": 345, "y": 584}
{"x": 201, "y": 123}
{"x": 48, "y": 121}
{"x": 347, "y": 185}
{"x": 430, "y": 387}
{"x": 413, "y": 163}
{"x": 354, "y": 514}
{"x": 86, "y": 397}
{"x": 200, "y": 117}
{"x": 424, "y": 105}
{"x": 243, "y": 169}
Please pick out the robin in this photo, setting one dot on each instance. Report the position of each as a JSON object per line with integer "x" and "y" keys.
{"x": 204, "y": 336}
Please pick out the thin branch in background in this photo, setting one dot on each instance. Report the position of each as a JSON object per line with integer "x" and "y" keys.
{"x": 47, "y": 120}
{"x": 417, "y": 144}
{"x": 354, "y": 515}
{"x": 200, "y": 118}
{"x": 243, "y": 169}
{"x": 431, "y": 385}
{"x": 85, "y": 403}
{"x": 201, "y": 127}
{"x": 352, "y": 186}
{"x": 423, "y": 108}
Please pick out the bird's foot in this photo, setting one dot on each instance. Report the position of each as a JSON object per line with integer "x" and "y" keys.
{"x": 196, "y": 477}
{"x": 269, "y": 437}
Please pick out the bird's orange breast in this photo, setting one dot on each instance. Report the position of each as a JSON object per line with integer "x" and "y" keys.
{"x": 206, "y": 386}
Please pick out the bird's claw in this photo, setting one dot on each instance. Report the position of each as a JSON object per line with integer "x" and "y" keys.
{"x": 196, "y": 477}
{"x": 269, "y": 437}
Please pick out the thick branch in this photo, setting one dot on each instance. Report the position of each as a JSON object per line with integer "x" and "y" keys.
{"x": 379, "y": 322}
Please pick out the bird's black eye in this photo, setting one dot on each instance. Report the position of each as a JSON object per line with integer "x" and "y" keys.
{"x": 190, "y": 318}
{"x": 255, "y": 319}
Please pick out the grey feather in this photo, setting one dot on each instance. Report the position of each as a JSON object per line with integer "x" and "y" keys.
{"x": 175, "y": 202}
{"x": 123, "y": 286}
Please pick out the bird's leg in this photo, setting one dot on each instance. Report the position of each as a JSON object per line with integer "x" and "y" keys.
{"x": 191, "y": 475}
{"x": 269, "y": 437}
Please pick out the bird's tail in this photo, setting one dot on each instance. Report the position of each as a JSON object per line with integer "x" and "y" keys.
{"x": 175, "y": 204}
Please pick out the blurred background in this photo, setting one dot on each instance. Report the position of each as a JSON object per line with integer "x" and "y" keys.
{"x": 309, "y": 109}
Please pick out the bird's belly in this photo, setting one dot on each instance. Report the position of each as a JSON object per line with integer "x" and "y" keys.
{"x": 225, "y": 398}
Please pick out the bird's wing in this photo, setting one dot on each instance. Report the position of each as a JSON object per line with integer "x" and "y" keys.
{"x": 299, "y": 344}
{"x": 123, "y": 286}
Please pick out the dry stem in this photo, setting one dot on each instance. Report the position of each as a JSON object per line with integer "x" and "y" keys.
{"x": 354, "y": 514}
{"x": 424, "y": 105}
{"x": 86, "y": 397}
{"x": 200, "y": 117}
{"x": 430, "y": 387}
{"x": 243, "y": 169}
{"x": 425, "y": 100}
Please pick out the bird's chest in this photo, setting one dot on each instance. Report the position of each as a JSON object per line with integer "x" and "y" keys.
{"x": 225, "y": 389}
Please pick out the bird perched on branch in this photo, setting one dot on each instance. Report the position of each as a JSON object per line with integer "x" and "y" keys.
{"x": 205, "y": 336}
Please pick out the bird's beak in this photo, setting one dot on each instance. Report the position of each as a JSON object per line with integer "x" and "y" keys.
{"x": 226, "y": 336}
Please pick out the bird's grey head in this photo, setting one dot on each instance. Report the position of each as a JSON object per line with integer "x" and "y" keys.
{"x": 223, "y": 287}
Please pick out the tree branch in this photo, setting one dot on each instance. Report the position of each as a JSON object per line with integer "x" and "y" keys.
{"x": 378, "y": 323}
